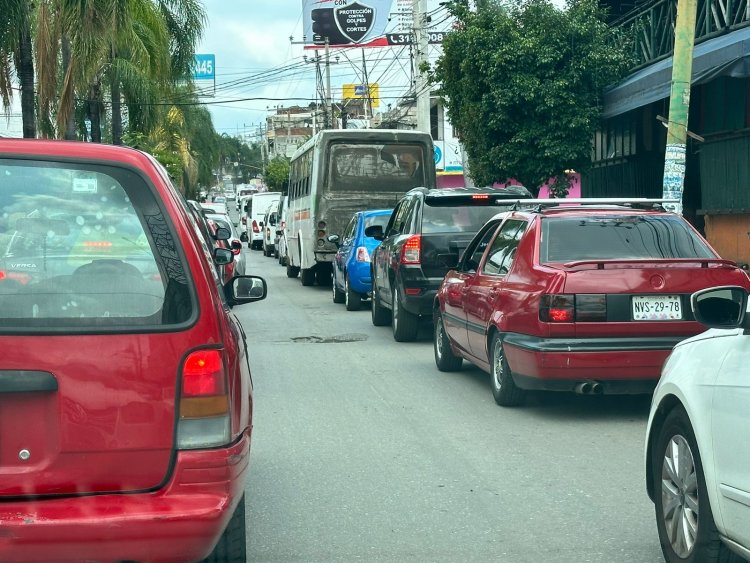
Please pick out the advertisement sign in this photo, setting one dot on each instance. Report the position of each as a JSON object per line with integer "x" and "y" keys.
{"x": 359, "y": 91}
{"x": 344, "y": 22}
{"x": 204, "y": 67}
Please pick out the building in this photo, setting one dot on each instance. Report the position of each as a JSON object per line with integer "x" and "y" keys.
{"x": 290, "y": 127}
{"x": 628, "y": 151}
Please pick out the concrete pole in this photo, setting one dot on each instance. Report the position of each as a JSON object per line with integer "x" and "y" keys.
{"x": 422, "y": 88}
{"x": 679, "y": 103}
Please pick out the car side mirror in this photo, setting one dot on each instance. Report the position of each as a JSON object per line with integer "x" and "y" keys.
{"x": 720, "y": 307}
{"x": 222, "y": 233}
{"x": 223, "y": 256}
{"x": 375, "y": 231}
{"x": 334, "y": 239}
{"x": 245, "y": 289}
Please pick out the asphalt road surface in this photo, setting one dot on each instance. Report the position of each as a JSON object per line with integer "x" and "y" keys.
{"x": 363, "y": 451}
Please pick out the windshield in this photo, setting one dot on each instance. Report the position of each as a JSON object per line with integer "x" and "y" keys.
{"x": 394, "y": 167}
{"x": 565, "y": 239}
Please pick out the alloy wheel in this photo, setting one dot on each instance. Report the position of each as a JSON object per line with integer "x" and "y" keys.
{"x": 497, "y": 366}
{"x": 395, "y": 311}
{"x": 679, "y": 490}
{"x": 439, "y": 336}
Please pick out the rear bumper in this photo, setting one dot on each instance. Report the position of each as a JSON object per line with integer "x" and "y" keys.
{"x": 418, "y": 292}
{"x": 181, "y": 522}
{"x": 360, "y": 278}
{"x": 621, "y": 365}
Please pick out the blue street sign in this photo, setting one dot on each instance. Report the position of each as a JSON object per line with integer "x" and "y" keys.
{"x": 359, "y": 90}
{"x": 205, "y": 67}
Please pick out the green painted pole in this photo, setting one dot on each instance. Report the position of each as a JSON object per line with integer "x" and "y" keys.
{"x": 679, "y": 103}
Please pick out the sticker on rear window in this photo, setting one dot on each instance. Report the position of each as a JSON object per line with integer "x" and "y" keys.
{"x": 84, "y": 185}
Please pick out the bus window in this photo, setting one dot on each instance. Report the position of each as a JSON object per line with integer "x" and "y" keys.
{"x": 370, "y": 167}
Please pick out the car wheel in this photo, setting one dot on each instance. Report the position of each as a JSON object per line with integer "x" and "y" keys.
{"x": 338, "y": 295}
{"x": 380, "y": 315}
{"x": 232, "y": 543}
{"x": 292, "y": 271}
{"x": 684, "y": 518}
{"x": 445, "y": 359}
{"x": 405, "y": 324}
{"x": 352, "y": 299}
{"x": 504, "y": 389}
{"x": 307, "y": 276}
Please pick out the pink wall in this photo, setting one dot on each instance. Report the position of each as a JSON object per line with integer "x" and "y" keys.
{"x": 457, "y": 181}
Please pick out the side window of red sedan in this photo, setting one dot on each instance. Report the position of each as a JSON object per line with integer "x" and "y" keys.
{"x": 503, "y": 249}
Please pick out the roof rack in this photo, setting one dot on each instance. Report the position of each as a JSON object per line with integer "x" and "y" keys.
{"x": 639, "y": 202}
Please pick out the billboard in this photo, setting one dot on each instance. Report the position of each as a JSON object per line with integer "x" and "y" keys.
{"x": 204, "y": 67}
{"x": 359, "y": 91}
{"x": 352, "y": 23}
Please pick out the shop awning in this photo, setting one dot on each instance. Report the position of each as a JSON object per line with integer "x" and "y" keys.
{"x": 728, "y": 55}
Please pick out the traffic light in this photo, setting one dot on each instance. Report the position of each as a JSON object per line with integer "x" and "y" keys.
{"x": 324, "y": 25}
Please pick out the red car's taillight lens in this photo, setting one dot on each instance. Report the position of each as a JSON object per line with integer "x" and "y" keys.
{"x": 557, "y": 309}
{"x": 204, "y": 402}
{"x": 411, "y": 252}
{"x": 256, "y": 229}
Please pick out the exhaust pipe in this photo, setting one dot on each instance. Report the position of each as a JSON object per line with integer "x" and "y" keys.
{"x": 597, "y": 388}
{"x": 583, "y": 388}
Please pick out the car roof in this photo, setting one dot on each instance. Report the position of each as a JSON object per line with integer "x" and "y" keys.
{"x": 74, "y": 150}
{"x": 372, "y": 212}
{"x": 583, "y": 207}
{"x": 507, "y": 192}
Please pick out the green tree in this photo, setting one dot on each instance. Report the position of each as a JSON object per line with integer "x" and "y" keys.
{"x": 277, "y": 174}
{"x": 523, "y": 85}
{"x": 16, "y": 54}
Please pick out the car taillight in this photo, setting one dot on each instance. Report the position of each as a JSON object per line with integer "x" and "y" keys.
{"x": 204, "y": 402}
{"x": 256, "y": 229}
{"x": 591, "y": 307}
{"x": 585, "y": 307}
{"x": 411, "y": 252}
{"x": 268, "y": 232}
{"x": 362, "y": 254}
{"x": 557, "y": 308}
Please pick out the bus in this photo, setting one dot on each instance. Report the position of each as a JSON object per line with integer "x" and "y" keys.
{"x": 338, "y": 172}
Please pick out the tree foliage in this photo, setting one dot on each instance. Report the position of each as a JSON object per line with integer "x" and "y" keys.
{"x": 277, "y": 174}
{"x": 523, "y": 84}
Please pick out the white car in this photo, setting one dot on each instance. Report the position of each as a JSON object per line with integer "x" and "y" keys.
{"x": 698, "y": 438}
{"x": 269, "y": 226}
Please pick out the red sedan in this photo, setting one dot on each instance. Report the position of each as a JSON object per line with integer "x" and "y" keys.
{"x": 585, "y": 298}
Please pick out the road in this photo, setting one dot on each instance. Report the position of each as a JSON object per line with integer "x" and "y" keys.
{"x": 363, "y": 451}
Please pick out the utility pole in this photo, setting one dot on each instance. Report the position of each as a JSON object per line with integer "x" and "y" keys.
{"x": 368, "y": 99}
{"x": 422, "y": 88}
{"x": 679, "y": 104}
{"x": 329, "y": 104}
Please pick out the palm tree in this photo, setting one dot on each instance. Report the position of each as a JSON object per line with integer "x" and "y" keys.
{"x": 16, "y": 52}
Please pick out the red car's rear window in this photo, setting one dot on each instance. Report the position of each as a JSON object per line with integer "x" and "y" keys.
{"x": 619, "y": 237}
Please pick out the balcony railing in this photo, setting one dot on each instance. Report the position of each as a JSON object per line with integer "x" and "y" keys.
{"x": 650, "y": 26}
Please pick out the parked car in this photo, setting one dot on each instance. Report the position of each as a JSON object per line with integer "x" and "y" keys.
{"x": 698, "y": 436}
{"x": 215, "y": 207}
{"x": 237, "y": 266}
{"x": 351, "y": 265}
{"x": 269, "y": 225}
{"x": 255, "y": 211}
{"x": 280, "y": 237}
{"x": 425, "y": 235}
{"x": 128, "y": 438}
{"x": 585, "y": 298}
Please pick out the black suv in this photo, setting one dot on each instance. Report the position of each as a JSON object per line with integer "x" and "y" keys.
{"x": 425, "y": 236}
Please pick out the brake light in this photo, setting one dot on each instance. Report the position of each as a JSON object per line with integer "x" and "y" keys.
{"x": 557, "y": 308}
{"x": 97, "y": 244}
{"x": 362, "y": 254}
{"x": 411, "y": 252}
{"x": 256, "y": 229}
{"x": 2, "y": 275}
{"x": 204, "y": 402}
{"x": 480, "y": 196}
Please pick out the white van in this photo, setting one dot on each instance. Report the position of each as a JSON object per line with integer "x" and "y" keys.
{"x": 256, "y": 209}
{"x": 270, "y": 222}
{"x": 280, "y": 241}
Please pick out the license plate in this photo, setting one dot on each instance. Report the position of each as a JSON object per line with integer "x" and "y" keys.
{"x": 657, "y": 308}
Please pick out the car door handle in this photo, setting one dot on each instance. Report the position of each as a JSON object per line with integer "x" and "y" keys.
{"x": 21, "y": 381}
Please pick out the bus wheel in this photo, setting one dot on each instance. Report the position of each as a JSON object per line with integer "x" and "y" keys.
{"x": 308, "y": 276}
{"x": 292, "y": 271}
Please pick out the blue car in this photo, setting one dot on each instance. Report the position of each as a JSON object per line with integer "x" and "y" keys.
{"x": 351, "y": 265}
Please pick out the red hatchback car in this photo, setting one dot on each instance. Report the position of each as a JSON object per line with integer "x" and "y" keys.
{"x": 575, "y": 297}
{"x": 125, "y": 390}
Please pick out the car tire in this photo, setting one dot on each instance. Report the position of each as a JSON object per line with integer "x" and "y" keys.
{"x": 308, "y": 277}
{"x": 380, "y": 315}
{"x": 232, "y": 544}
{"x": 504, "y": 389}
{"x": 352, "y": 299}
{"x": 292, "y": 271}
{"x": 445, "y": 359}
{"x": 338, "y": 295}
{"x": 405, "y": 324}
{"x": 676, "y": 438}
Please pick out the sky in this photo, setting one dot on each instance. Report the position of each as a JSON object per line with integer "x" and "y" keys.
{"x": 250, "y": 37}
